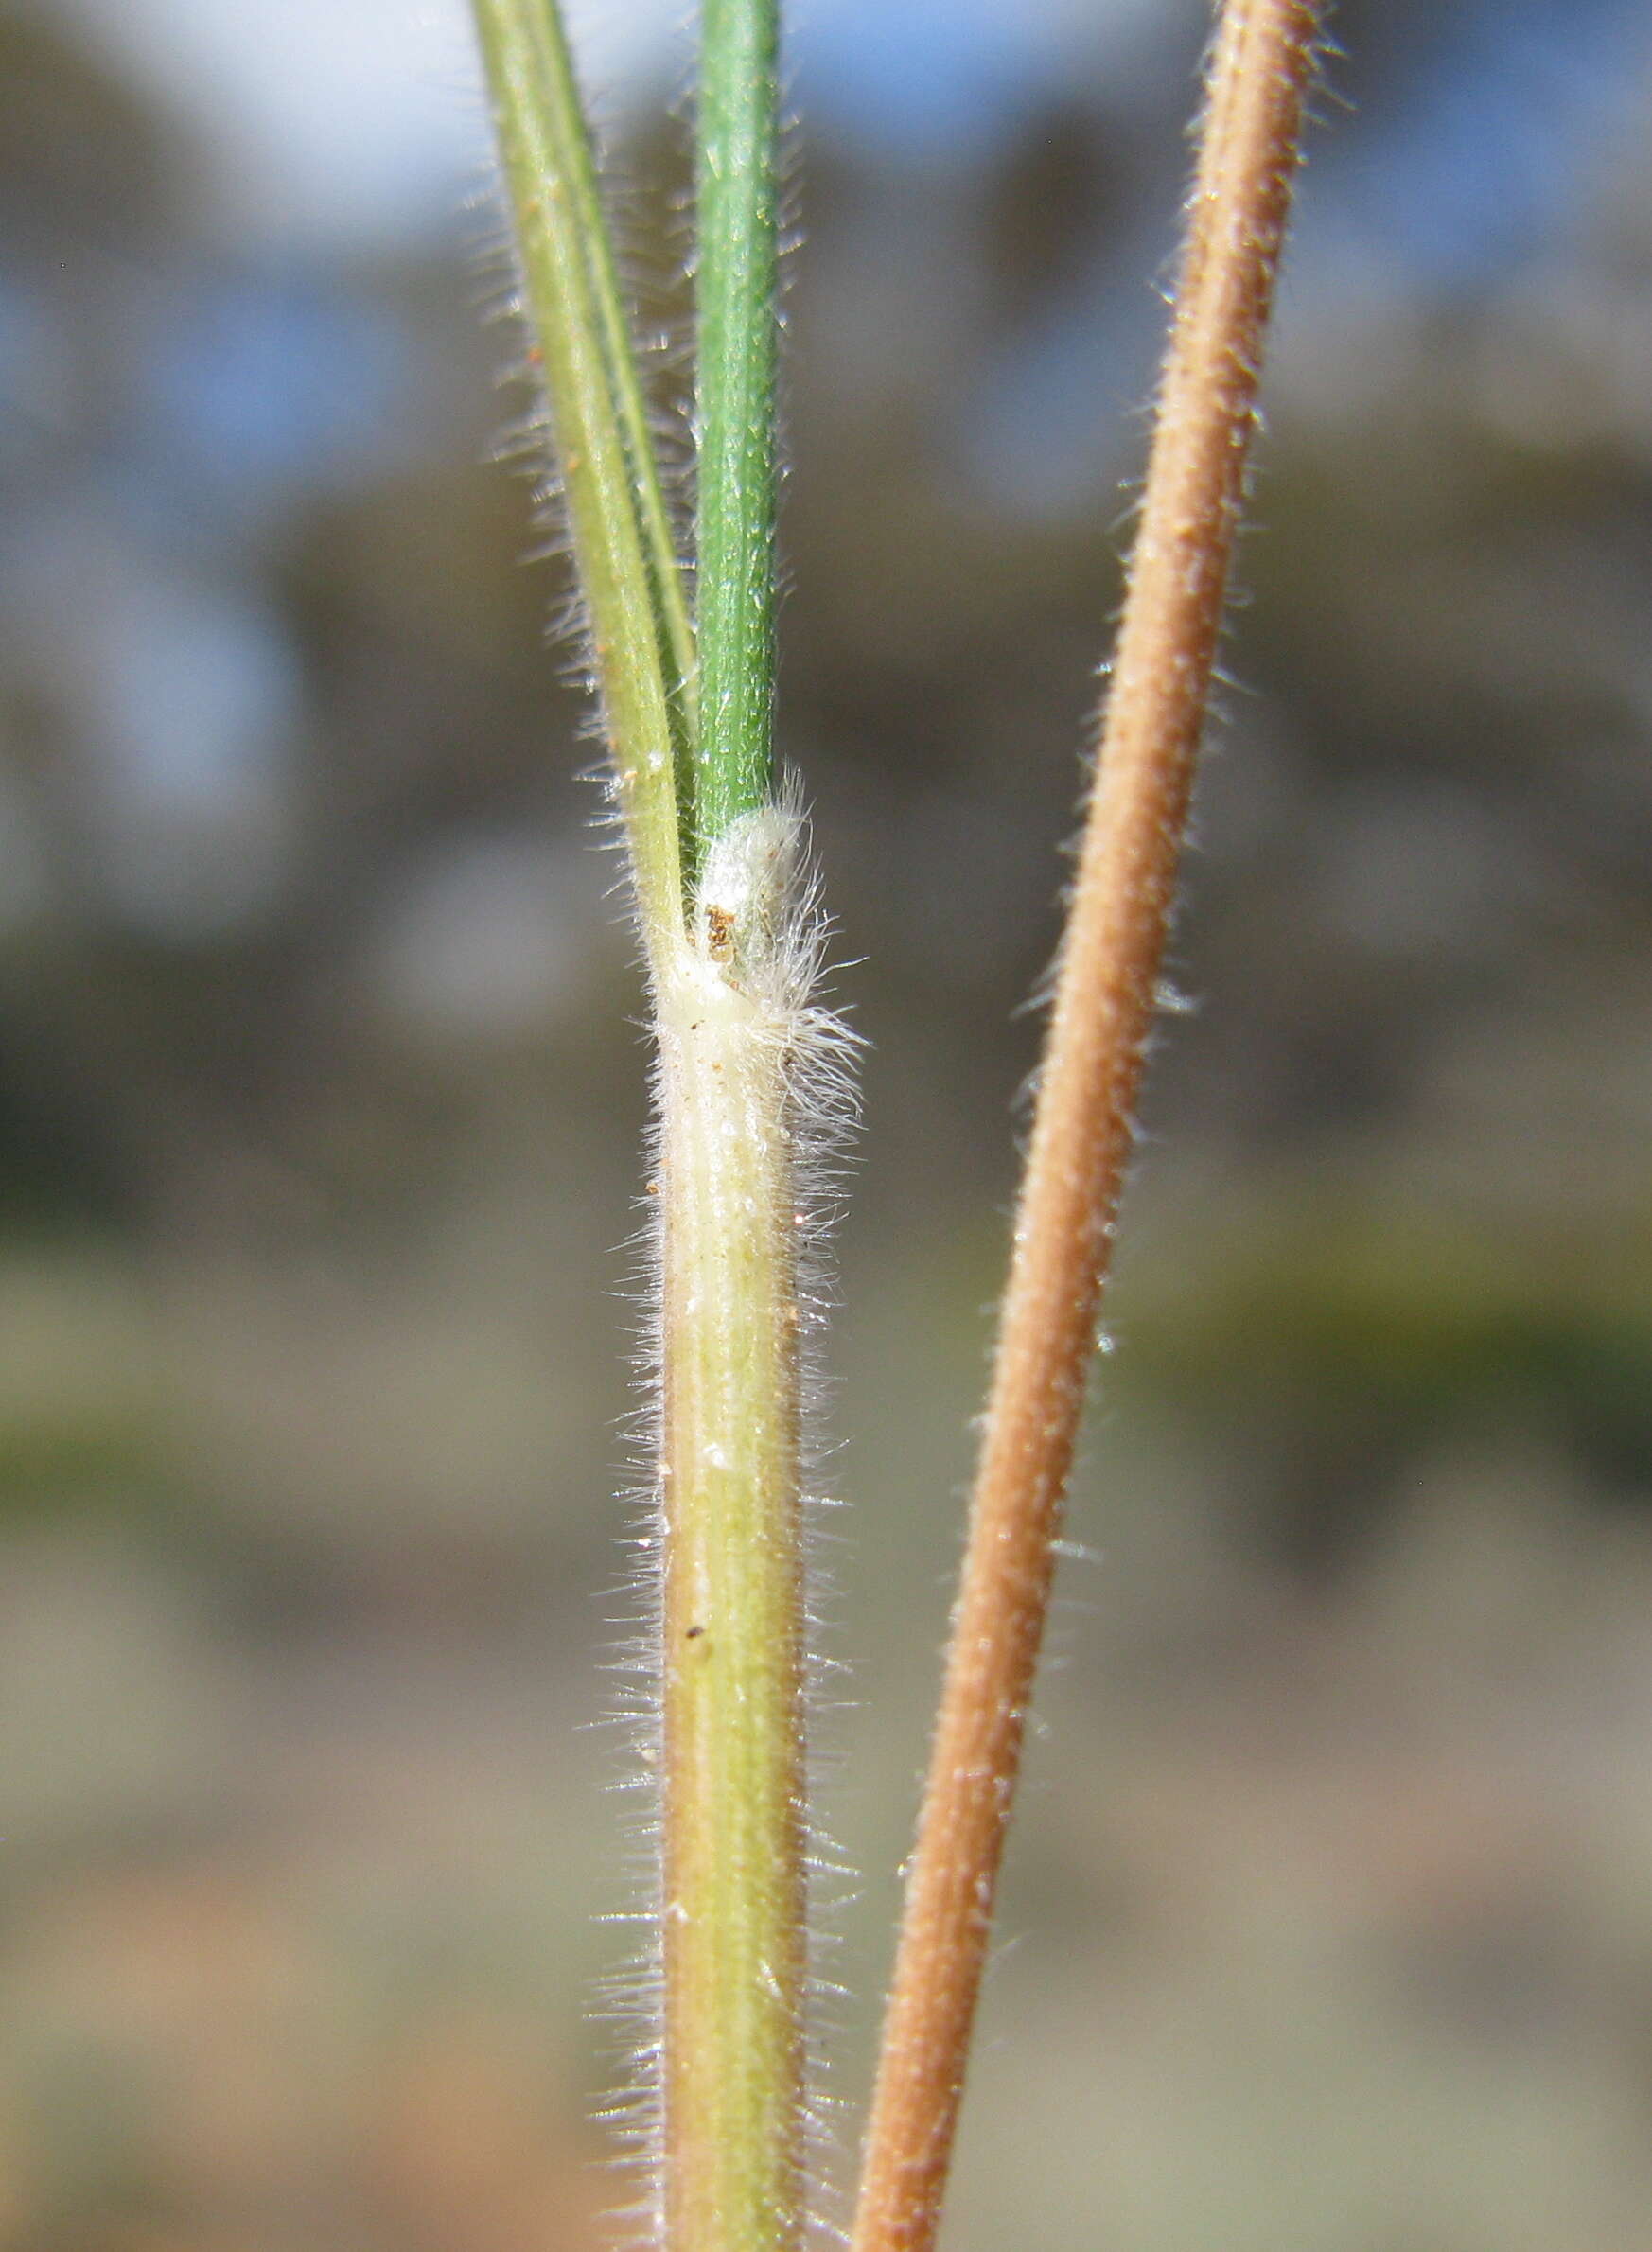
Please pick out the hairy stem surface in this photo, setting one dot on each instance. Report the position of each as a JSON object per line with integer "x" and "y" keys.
{"x": 733, "y": 1876}
{"x": 713, "y": 860}
{"x": 1082, "y": 1130}
{"x": 736, "y": 199}
{"x": 628, "y": 575}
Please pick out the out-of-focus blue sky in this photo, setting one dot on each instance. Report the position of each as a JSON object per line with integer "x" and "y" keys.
{"x": 353, "y": 120}
{"x": 1458, "y": 139}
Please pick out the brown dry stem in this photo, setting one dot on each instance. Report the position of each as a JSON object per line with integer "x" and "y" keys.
{"x": 1103, "y": 1004}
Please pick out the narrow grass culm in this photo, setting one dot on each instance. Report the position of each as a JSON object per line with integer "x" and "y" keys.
{"x": 1082, "y": 1134}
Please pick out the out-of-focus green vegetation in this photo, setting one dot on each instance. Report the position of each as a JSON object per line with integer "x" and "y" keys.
{"x": 316, "y": 1142}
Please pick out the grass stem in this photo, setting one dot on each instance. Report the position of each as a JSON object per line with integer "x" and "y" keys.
{"x": 1083, "y": 1132}
{"x": 733, "y": 1892}
{"x": 737, "y": 200}
{"x": 729, "y": 963}
{"x": 639, "y": 631}
{"x": 734, "y": 1819}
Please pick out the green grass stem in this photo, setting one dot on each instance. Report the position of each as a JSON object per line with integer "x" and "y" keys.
{"x": 737, "y": 194}
{"x": 640, "y": 630}
{"x": 728, "y": 981}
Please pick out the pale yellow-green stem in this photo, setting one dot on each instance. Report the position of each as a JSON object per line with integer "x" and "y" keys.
{"x": 628, "y": 575}
{"x": 733, "y": 1877}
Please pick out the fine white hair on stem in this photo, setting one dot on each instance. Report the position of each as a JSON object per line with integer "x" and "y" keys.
{"x": 755, "y": 937}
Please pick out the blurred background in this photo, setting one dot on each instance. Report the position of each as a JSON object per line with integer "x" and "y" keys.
{"x": 1328, "y": 1921}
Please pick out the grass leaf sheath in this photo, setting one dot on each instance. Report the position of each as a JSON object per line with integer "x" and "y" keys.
{"x": 733, "y": 1034}
{"x": 1120, "y": 908}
